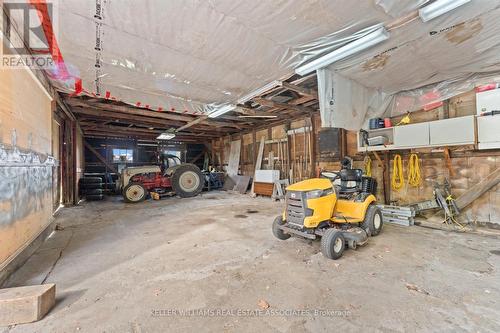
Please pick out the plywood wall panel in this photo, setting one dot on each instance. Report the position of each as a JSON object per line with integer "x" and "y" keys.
{"x": 26, "y": 167}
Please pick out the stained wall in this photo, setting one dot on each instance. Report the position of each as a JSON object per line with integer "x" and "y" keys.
{"x": 26, "y": 162}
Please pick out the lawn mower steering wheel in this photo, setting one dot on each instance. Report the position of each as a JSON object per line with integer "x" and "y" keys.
{"x": 330, "y": 175}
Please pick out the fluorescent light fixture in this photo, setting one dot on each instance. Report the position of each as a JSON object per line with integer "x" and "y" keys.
{"x": 220, "y": 111}
{"x": 259, "y": 91}
{"x": 260, "y": 116}
{"x": 438, "y": 8}
{"x": 363, "y": 43}
{"x": 166, "y": 136}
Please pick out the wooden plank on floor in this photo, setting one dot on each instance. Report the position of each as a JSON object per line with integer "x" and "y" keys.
{"x": 234, "y": 158}
{"x": 258, "y": 162}
{"x": 479, "y": 189}
{"x": 26, "y": 304}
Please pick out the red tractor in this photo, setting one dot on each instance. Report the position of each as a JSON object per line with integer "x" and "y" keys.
{"x": 172, "y": 177}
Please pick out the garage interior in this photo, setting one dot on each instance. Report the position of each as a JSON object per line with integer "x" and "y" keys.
{"x": 288, "y": 166}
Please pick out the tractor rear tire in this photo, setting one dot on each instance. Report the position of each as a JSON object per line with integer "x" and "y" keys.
{"x": 97, "y": 191}
{"x": 90, "y": 180}
{"x": 94, "y": 197}
{"x": 277, "y": 232}
{"x": 91, "y": 186}
{"x": 332, "y": 244}
{"x": 373, "y": 221}
{"x": 134, "y": 193}
{"x": 187, "y": 181}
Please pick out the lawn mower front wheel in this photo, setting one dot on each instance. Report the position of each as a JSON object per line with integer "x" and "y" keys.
{"x": 332, "y": 244}
{"x": 277, "y": 232}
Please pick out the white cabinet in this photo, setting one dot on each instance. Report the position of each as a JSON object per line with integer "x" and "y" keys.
{"x": 453, "y": 131}
{"x": 439, "y": 133}
{"x": 488, "y": 132}
{"x": 267, "y": 176}
{"x": 488, "y": 101}
{"x": 413, "y": 135}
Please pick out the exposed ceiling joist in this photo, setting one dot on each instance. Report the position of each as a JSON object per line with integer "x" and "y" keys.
{"x": 274, "y": 104}
{"x": 108, "y": 107}
{"x": 132, "y": 131}
{"x": 301, "y": 90}
{"x": 107, "y": 134}
{"x": 87, "y": 116}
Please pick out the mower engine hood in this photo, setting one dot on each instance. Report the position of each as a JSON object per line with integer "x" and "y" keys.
{"x": 311, "y": 185}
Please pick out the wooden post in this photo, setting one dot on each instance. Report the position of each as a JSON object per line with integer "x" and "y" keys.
{"x": 289, "y": 160}
{"x": 314, "y": 146}
{"x": 74, "y": 174}
{"x": 254, "y": 140}
{"x": 212, "y": 152}
{"x": 386, "y": 179}
{"x": 222, "y": 154}
{"x": 343, "y": 143}
{"x": 447, "y": 158}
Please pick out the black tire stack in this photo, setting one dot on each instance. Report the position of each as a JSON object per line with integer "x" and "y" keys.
{"x": 91, "y": 188}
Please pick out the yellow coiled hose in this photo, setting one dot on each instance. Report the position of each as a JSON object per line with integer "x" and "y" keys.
{"x": 414, "y": 178}
{"x": 397, "y": 180}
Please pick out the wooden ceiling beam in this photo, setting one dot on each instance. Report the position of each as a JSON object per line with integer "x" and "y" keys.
{"x": 140, "y": 120}
{"x": 274, "y": 104}
{"x": 104, "y": 134}
{"x": 128, "y": 130}
{"x": 145, "y": 126}
{"x": 76, "y": 102}
{"x": 301, "y": 90}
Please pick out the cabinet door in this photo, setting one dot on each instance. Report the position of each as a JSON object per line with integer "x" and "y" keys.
{"x": 488, "y": 101}
{"x": 452, "y": 131}
{"x": 413, "y": 135}
{"x": 488, "y": 132}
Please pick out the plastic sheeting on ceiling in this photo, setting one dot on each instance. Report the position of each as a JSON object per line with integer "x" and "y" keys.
{"x": 420, "y": 64}
{"x": 191, "y": 55}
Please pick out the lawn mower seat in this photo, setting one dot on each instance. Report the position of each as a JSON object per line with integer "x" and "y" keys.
{"x": 348, "y": 176}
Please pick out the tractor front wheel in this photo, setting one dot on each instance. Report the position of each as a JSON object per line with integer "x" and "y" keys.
{"x": 332, "y": 244}
{"x": 187, "y": 181}
{"x": 134, "y": 192}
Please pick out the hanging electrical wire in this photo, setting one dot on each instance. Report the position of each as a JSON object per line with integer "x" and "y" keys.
{"x": 368, "y": 166}
{"x": 397, "y": 180}
{"x": 414, "y": 178}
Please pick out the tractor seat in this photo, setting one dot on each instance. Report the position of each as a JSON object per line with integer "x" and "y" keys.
{"x": 348, "y": 176}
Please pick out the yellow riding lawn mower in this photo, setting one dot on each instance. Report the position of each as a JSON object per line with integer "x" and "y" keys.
{"x": 340, "y": 208}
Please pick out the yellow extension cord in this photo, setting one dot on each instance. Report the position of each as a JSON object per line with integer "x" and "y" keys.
{"x": 368, "y": 166}
{"x": 397, "y": 180}
{"x": 414, "y": 178}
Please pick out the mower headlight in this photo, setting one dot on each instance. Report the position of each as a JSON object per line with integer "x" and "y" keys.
{"x": 314, "y": 194}
{"x": 318, "y": 193}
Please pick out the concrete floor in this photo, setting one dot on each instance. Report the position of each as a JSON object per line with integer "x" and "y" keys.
{"x": 118, "y": 263}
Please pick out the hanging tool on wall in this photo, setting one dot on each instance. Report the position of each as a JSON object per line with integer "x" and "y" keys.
{"x": 405, "y": 120}
{"x": 397, "y": 180}
{"x": 414, "y": 178}
{"x": 368, "y": 166}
